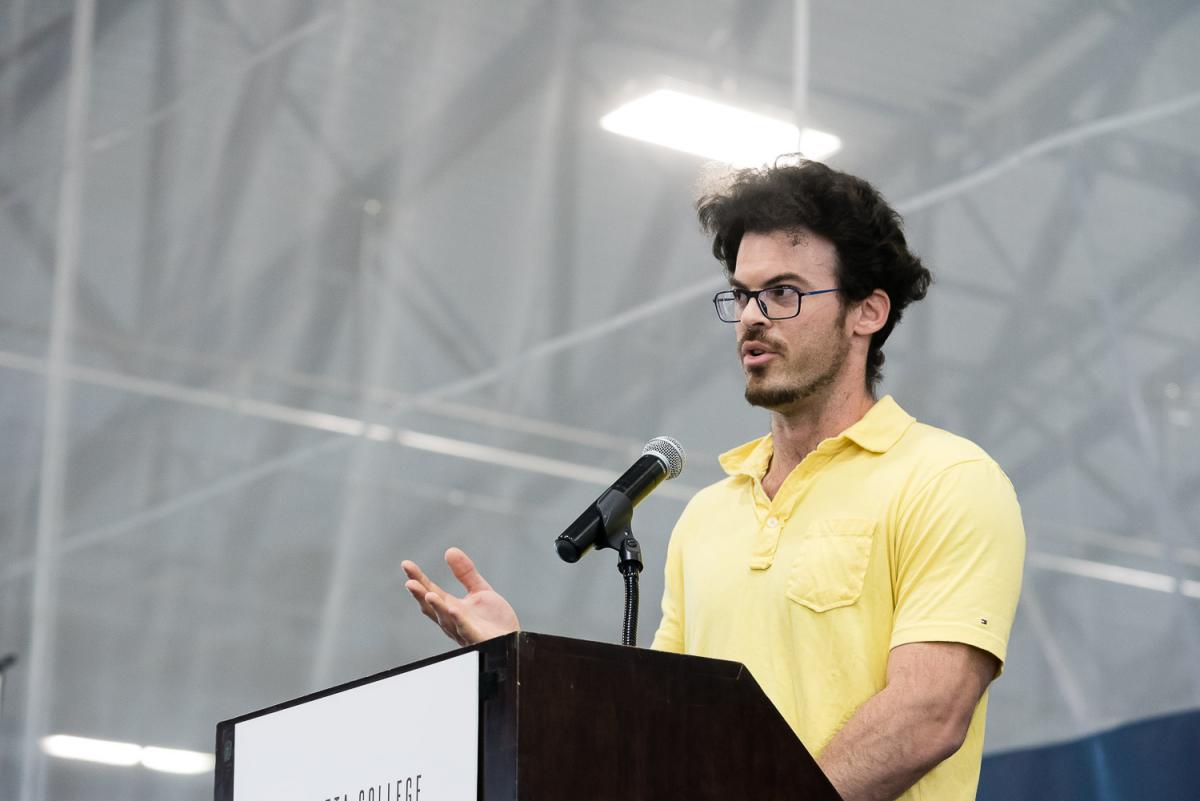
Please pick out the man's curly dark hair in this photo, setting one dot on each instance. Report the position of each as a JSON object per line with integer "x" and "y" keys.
{"x": 807, "y": 196}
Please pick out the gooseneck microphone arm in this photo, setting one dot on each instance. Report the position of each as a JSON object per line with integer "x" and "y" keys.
{"x": 607, "y": 522}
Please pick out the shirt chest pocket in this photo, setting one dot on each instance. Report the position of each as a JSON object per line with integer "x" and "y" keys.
{"x": 830, "y": 563}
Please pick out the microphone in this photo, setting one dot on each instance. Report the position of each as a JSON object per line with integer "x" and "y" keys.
{"x": 605, "y": 523}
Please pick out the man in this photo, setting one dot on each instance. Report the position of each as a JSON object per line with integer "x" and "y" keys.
{"x": 864, "y": 566}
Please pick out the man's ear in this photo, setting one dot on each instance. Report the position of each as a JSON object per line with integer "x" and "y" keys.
{"x": 872, "y": 313}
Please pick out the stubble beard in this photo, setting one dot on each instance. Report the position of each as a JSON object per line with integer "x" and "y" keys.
{"x": 790, "y": 391}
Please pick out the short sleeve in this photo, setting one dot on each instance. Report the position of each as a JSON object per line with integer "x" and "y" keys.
{"x": 669, "y": 636}
{"x": 957, "y": 560}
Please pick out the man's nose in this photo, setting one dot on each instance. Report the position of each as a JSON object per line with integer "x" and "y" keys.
{"x": 753, "y": 314}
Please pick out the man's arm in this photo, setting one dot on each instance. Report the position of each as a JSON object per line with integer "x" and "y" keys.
{"x": 919, "y": 719}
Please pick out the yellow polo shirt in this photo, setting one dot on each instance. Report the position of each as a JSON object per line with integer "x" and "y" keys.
{"x": 892, "y": 532}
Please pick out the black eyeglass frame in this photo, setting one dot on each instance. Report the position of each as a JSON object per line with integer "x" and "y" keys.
{"x": 731, "y": 295}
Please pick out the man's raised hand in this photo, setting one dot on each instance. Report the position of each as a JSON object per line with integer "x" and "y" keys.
{"x": 479, "y": 615}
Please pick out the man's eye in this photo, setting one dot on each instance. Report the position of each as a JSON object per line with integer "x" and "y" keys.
{"x": 740, "y": 296}
{"x": 777, "y": 292}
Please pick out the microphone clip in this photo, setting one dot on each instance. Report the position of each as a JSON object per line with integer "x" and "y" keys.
{"x": 607, "y": 523}
{"x": 615, "y": 511}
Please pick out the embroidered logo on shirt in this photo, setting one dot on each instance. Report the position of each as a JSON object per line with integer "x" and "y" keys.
{"x": 983, "y": 620}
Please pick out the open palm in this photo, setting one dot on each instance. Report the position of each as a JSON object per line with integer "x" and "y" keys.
{"x": 479, "y": 615}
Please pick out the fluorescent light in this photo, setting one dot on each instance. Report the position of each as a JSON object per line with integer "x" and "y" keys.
{"x": 108, "y": 752}
{"x": 816, "y": 145}
{"x": 111, "y": 752}
{"x": 177, "y": 760}
{"x": 715, "y": 130}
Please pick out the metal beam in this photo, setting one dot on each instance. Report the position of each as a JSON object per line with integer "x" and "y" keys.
{"x": 1019, "y": 336}
{"x": 90, "y": 308}
{"x": 1070, "y": 452}
{"x": 311, "y": 126}
{"x": 44, "y": 67}
{"x": 111, "y": 139}
{"x": 1139, "y": 287}
{"x": 52, "y": 496}
{"x": 1154, "y": 164}
{"x": 379, "y": 312}
{"x": 1105, "y": 416}
{"x": 259, "y": 99}
{"x": 1119, "y": 53}
{"x": 1048, "y": 253}
{"x": 499, "y": 89}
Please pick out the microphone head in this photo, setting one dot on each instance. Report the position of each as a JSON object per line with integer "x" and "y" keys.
{"x": 669, "y": 452}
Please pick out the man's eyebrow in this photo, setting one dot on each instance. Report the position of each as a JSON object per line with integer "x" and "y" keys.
{"x": 782, "y": 278}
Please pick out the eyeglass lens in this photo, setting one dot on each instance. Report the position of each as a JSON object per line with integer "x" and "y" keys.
{"x": 779, "y": 302}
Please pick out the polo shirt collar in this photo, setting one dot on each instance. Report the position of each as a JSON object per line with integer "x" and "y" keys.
{"x": 878, "y": 430}
{"x": 881, "y": 427}
{"x": 751, "y": 459}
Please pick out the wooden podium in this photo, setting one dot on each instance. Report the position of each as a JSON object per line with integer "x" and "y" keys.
{"x": 562, "y": 719}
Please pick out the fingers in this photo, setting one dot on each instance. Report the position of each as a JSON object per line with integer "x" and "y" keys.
{"x": 418, "y": 593}
{"x": 419, "y": 585}
{"x": 464, "y": 570}
{"x": 440, "y": 606}
{"x": 448, "y": 618}
{"x": 414, "y": 573}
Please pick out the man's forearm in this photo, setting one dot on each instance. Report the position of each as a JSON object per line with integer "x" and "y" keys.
{"x": 887, "y": 746}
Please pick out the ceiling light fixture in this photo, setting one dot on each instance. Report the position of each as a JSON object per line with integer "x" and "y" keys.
{"x": 112, "y": 752}
{"x": 177, "y": 760}
{"x": 108, "y": 752}
{"x": 714, "y": 130}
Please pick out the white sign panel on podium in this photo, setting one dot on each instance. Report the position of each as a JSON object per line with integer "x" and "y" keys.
{"x": 411, "y": 736}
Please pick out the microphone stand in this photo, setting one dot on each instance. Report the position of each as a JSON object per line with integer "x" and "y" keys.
{"x": 616, "y": 521}
{"x": 608, "y": 524}
{"x": 629, "y": 563}
{"x": 5, "y": 663}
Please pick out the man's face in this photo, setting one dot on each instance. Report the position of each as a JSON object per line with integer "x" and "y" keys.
{"x": 788, "y": 361}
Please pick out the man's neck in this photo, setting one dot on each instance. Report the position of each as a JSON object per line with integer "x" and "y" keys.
{"x": 796, "y": 432}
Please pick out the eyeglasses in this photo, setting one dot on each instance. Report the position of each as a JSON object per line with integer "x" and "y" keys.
{"x": 775, "y": 302}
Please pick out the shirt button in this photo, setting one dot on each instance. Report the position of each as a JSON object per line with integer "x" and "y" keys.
{"x": 772, "y": 522}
